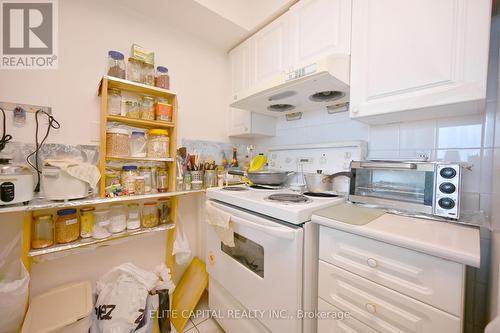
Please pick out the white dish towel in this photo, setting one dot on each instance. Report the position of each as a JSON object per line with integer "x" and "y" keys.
{"x": 221, "y": 222}
{"x": 86, "y": 172}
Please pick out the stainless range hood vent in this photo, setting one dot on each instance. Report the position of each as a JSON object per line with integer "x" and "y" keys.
{"x": 280, "y": 107}
{"x": 327, "y": 96}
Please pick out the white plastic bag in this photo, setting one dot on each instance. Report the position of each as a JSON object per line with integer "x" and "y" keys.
{"x": 181, "y": 249}
{"x": 14, "y": 284}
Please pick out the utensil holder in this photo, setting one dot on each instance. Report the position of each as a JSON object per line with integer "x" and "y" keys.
{"x": 197, "y": 175}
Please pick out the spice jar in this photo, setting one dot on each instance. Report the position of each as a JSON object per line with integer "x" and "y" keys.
{"x": 67, "y": 228}
{"x": 116, "y": 64}
{"x": 148, "y": 108}
{"x": 134, "y": 69}
{"x": 148, "y": 74}
{"x": 132, "y": 110}
{"x": 146, "y": 173}
{"x": 162, "y": 79}
{"x": 162, "y": 180}
{"x": 139, "y": 185}
{"x": 117, "y": 218}
{"x": 163, "y": 110}
{"x": 138, "y": 144}
{"x": 133, "y": 217}
{"x": 150, "y": 215}
{"x": 117, "y": 142}
{"x": 164, "y": 211}
{"x": 158, "y": 143}
{"x": 101, "y": 224}
{"x": 86, "y": 222}
{"x": 129, "y": 172}
{"x": 114, "y": 101}
{"x": 43, "y": 232}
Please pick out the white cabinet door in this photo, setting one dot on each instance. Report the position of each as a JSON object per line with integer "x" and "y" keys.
{"x": 336, "y": 322}
{"x": 240, "y": 62}
{"x": 240, "y": 122}
{"x": 319, "y": 28}
{"x": 246, "y": 124}
{"x": 417, "y": 54}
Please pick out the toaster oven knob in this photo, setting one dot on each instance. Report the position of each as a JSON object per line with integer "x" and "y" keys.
{"x": 448, "y": 173}
{"x": 447, "y": 188}
{"x": 446, "y": 203}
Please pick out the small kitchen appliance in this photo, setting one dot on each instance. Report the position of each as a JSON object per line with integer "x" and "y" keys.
{"x": 57, "y": 184}
{"x": 16, "y": 183}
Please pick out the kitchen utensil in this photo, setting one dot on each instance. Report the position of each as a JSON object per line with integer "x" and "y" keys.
{"x": 257, "y": 163}
{"x": 264, "y": 177}
{"x": 16, "y": 183}
{"x": 59, "y": 185}
{"x": 320, "y": 183}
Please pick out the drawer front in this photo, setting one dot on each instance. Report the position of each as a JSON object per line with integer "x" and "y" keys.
{"x": 432, "y": 280}
{"x": 379, "y": 307}
{"x": 347, "y": 325}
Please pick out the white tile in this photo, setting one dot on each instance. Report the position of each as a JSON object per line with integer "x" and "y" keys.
{"x": 201, "y": 312}
{"x": 417, "y": 135}
{"x": 418, "y": 154}
{"x": 489, "y": 124}
{"x": 460, "y": 132}
{"x": 192, "y": 329}
{"x": 189, "y": 325}
{"x": 485, "y": 203}
{"x": 209, "y": 326}
{"x": 382, "y": 154}
{"x": 487, "y": 171}
{"x": 470, "y": 202}
{"x": 471, "y": 179}
{"x": 384, "y": 137}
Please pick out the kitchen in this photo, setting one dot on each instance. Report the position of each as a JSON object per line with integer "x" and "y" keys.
{"x": 220, "y": 52}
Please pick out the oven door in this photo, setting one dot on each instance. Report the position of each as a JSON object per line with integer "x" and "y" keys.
{"x": 264, "y": 269}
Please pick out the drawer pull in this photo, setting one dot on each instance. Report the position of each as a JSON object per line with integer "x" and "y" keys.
{"x": 370, "y": 307}
{"x": 372, "y": 262}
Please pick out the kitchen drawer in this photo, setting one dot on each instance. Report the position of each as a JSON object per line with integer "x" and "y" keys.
{"x": 432, "y": 280}
{"x": 347, "y": 325}
{"x": 379, "y": 307}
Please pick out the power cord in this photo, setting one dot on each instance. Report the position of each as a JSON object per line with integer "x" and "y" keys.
{"x": 53, "y": 123}
{"x": 5, "y": 137}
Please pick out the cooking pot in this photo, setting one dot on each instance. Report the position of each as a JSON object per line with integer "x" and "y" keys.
{"x": 264, "y": 177}
{"x": 320, "y": 183}
{"x": 16, "y": 183}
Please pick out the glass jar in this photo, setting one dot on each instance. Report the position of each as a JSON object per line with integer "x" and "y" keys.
{"x": 164, "y": 211}
{"x": 148, "y": 74}
{"x": 117, "y": 142}
{"x": 117, "y": 218}
{"x": 101, "y": 224}
{"x": 158, "y": 143}
{"x": 86, "y": 222}
{"x": 134, "y": 69}
{"x": 132, "y": 110}
{"x": 114, "y": 101}
{"x": 150, "y": 215}
{"x": 148, "y": 108}
{"x": 162, "y": 79}
{"x": 129, "y": 172}
{"x": 210, "y": 179}
{"x": 162, "y": 180}
{"x": 139, "y": 186}
{"x": 67, "y": 227}
{"x": 116, "y": 64}
{"x": 146, "y": 173}
{"x": 163, "y": 110}
{"x": 138, "y": 144}
{"x": 43, "y": 232}
{"x": 112, "y": 178}
{"x": 133, "y": 217}
{"x": 188, "y": 180}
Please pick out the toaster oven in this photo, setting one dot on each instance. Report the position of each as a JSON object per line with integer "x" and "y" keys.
{"x": 431, "y": 188}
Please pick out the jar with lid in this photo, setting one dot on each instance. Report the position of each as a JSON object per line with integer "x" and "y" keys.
{"x": 117, "y": 218}
{"x": 43, "y": 232}
{"x": 129, "y": 172}
{"x": 162, "y": 180}
{"x": 150, "y": 215}
{"x": 138, "y": 144}
{"x": 162, "y": 79}
{"x": 132, "y": 110}
{"x": 163, "y": 110}
{"x": 133, "y": 217}
{"x": 139, "y": 186}
{"x": 158, "y": 143}
{"x": 188, "y": 180}
{"x": 148, "y": 108}
{"x": 86, "y": 222}
{"x": 164, "y": 211}
{"x": 210, "y": 179}
{"x": 117, "y": 142}
{"x": 134, "y": 69}
{"x": 146, "y": 173}
{"x": 114, "y": 101}
{"x": 116, "y": 64}
{"x": 67, "y": 226}
{"x": 148, "y": 74}
{"x": 101, "y": 224}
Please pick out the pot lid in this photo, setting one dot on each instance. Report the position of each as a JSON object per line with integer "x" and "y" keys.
{"x": 7, "y": 168}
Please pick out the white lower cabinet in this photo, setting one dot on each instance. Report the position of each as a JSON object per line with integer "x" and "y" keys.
{"x": 340, "y": 325}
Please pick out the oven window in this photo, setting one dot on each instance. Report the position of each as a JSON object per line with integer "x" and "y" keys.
{"x": 246, "y": 252}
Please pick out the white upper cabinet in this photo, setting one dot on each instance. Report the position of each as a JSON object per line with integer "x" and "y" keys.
{"x": 319, "y": 28}
{"x": 240, "y": 62}
{"x": 416, "y": 57}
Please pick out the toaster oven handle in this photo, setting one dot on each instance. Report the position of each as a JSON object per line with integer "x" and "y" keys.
{"x": 387, "y": 165}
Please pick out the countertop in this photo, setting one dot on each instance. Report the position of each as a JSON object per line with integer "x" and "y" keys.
{"x": 455, "y": 242}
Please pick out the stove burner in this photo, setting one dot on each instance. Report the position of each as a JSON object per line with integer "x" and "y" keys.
{"x": 235, "y": 188}
{"x": 321, "y": 195}
{"x": 288, "y": 198}
{"x": 266, "y": 187}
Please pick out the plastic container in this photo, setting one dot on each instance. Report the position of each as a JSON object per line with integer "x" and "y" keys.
{"x": 117, "y": 218}
{"x": 148, "y": 74}
{"x": 163, "y": 110}
{"x": 139, "y": 186}
{"x": 132, "y": 110}
{"x": 43, "y": 232}
{"x": 101, "y": 224}
{"x": 148, "y": 108}
{"x": 86, "y": 222}
{"x": 134, "y": 69}
{"x": 210, "y": 179}
{"x": 129, "y": 172}
{"x": 133, "y": 217}
{"x": 150, "y": 217}
{"x": 67, "y": 226}
{"x": 162, "y": 180}
{"x": 116, "y": 64}
{"x": 146, "y": 173}
{"x": 158, "y": 143}
{"x": 65, "y": 309}
{"x": 138, "y": 144}
{"x": 117, "y": 142}
{"x": 196, "y": 185}
{"x": 164, "y": 211}
{"x": 162, "y": 79}
{"x": 114, "y": 101}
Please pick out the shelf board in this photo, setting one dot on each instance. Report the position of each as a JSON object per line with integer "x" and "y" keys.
{"x": 144, "y": 159}
{"x": 86, "y": 242}
{"x": 140, "y": 122}
{"x": 131, "y": 86}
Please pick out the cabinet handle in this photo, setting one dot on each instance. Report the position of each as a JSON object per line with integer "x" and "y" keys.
{"x": 355, "y": 110}
{"x": 372, "y": 308}
{"x": 372, "y": 262}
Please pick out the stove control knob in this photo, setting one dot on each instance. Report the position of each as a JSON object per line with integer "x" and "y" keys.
{"x": 448, "y": 173}
{"x": 446, "y": 203}
{"x": 447, "y": 188}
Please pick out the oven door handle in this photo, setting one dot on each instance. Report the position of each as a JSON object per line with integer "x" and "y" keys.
{"x": 281, "y": 232}
{"x": 387, "y": 165}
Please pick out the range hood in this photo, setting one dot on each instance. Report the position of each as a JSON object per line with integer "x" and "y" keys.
{"x": 323, "y": 84}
